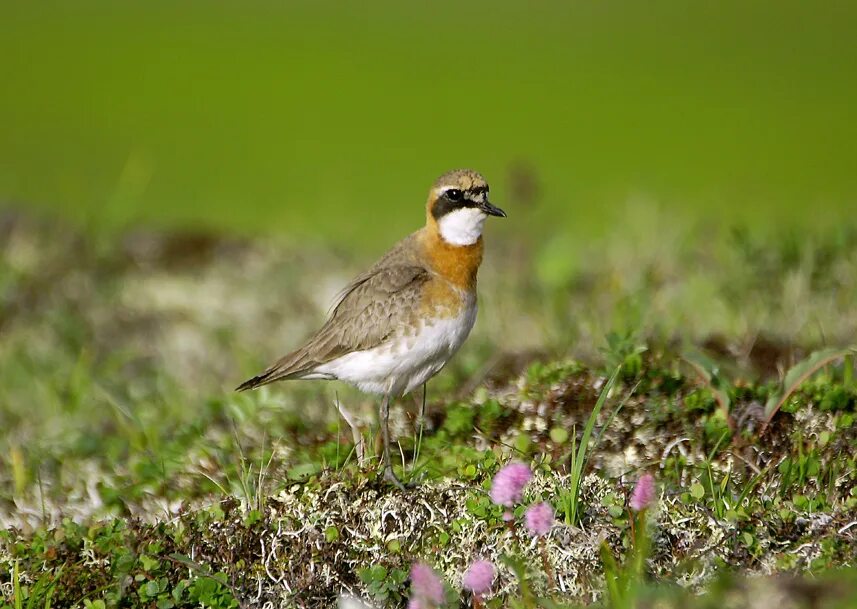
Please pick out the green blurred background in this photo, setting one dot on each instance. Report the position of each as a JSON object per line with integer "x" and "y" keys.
{"x": 329, "y": 120}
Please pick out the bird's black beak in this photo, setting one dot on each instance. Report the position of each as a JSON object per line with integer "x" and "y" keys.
{"x": 492, "y": 210}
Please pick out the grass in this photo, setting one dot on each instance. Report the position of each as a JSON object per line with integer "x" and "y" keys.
{"x": 133, "y": 475}
{"x": 715, "y": 512}
{"x": 571, "y": 499}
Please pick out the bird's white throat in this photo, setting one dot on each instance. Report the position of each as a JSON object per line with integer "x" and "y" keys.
{"x": 462, "y": 226}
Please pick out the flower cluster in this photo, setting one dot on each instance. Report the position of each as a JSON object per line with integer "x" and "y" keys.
{"x": 539, "y": 519}
{"x": 644, "y": 493}
{"x": 479, "y": 577}
{"x": 507, "y": 490}
{"x": 426, "y": 588}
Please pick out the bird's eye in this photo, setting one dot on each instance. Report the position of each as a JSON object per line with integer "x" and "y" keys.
{"x": 453, "y": 194}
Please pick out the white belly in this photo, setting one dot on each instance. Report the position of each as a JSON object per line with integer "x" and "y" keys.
{"x": 407, "y": 360}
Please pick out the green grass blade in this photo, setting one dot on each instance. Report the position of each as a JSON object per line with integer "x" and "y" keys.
{"x": 612, "y": 578}
{"x": 580, "y": 458}
{"x": 16, "y": 584}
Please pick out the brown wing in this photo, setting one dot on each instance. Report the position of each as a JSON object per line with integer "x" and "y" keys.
{"x": 402, "y": 254}
{"x": 371, "y": 309}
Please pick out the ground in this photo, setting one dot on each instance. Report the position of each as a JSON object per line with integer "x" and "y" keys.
{"x": 132, "y": 474}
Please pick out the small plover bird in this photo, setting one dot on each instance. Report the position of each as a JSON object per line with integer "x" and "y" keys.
{"x": 396, "y": 325}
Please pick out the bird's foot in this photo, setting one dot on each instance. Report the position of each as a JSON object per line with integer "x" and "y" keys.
{"x": 390, "y": 477}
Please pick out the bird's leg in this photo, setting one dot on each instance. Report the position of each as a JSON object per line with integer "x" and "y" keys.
{"x": 420, "y": 426}
{"x": 359, "y": 444}
{"x": 423, "y": 410}
{"x": 385, "y": 428}
{"x": 421, "y": 421}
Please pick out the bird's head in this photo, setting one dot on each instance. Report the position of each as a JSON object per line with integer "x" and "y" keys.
{"x": 458, "y": 205}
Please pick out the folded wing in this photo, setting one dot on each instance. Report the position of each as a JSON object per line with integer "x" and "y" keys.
{"x": 368, "y": 312}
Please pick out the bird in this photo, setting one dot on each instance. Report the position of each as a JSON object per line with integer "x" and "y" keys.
{"x": 397, "y": 324}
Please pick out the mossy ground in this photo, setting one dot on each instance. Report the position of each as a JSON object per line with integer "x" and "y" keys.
{"x": 133, "y": 476}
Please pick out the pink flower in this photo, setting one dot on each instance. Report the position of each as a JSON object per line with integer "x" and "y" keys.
{"x": 644, "y": 493}
{"x": 426, "y": 585}
{"x": 508, "y": 485}
{"x": 479, "y": 577}
{"x": 415, "y": 603}
{"x": 539, "y": 519}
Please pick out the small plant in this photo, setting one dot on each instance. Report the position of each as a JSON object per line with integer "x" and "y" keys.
{"x": 538, "y": 520}
{"x": 478, "y": 580}
{"x": 800, "y": 372}
{"x": 507, "y": 488}
{"x": 623, "y": 581}
{"x": 625, "y": 352}
{"x": 721, "y": 387}
{"x": 570, "y": 500}
{"x": 427, "y": 590}
{"x": 37, "y": 596}
{"x": 383, "y": 584}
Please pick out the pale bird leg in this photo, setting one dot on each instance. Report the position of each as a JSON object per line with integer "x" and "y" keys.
{"x": 420, "y": 428}
{"x": 359, "y": 441}
{"x": 423, "y": 410}
{"x": 385, "y": 427}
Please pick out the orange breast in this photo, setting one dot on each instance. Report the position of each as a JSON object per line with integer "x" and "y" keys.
{"x": 457, "y": 265}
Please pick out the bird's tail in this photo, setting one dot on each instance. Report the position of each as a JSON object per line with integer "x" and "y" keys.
{"x": 256, "y": 381}
{"x": 291, "y": 366}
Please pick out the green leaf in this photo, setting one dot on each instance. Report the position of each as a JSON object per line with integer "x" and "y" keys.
{"x": 522, "y": 443}
{"x": 151, "y": 589}
{"x": 559, "y": 435}
{"x": 178, "y": 591}
{"x": 148, "y": 563}
{"x": 186, "y": 561}
{"x": 612, "y": 577}
{"x": 252, "y": 517}
{"x": 580, "y": 458}
{"x": 697, "y": 490}
{"x": 519, "y": 568}
{"x": 459, "y": 419}
{"x": 16, "y": 585}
